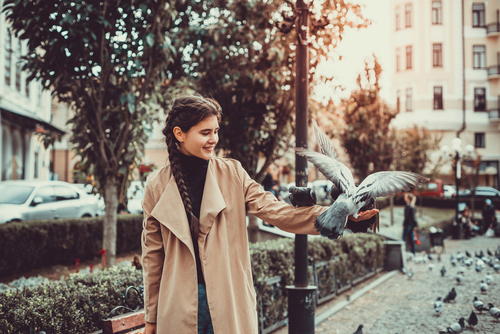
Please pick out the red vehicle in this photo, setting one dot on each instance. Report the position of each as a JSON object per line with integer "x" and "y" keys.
{"x": 432, "y": 188}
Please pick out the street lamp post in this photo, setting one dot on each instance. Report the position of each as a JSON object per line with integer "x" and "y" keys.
{"x": 457, "y": 156}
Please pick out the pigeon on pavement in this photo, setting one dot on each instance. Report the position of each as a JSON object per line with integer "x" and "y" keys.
{"x": 488, "y": 279}
{"x": 359, "y": 330}
{"x": 431, "y": 266}
{"x": 332, "y": 222}
{"x": 483, "y": 286}
{"x": 450, "y": 296}
{"x": 472, "y": 320}
{"x": 457, "y": 327}
{"x": 494, "y": 311}
{"x": 489, "y": 252}
{"x": 410, "y": 273}
{"x": 438, "y": 306}
{"x": 443, "y": 271}
{"x": 459, "y": 278}
{"x": 479, "y": 305}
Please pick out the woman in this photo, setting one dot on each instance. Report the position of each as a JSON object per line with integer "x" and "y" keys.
{"x": 410, "y": 223}
{"x": 196, "y": 260}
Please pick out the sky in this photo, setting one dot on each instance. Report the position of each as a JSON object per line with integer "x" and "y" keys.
{"x": 355, "y": 47}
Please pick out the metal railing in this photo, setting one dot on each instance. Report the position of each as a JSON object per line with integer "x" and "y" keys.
{"x": 494, "y": 70}
{"x": 494, "y": 114}
{"x": 272, "y": 305}
{"x": 493, "y": 28}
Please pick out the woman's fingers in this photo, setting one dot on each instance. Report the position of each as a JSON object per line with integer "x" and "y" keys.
{"x": 364, "y": 215}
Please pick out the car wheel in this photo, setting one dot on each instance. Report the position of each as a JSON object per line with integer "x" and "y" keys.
{"x": 86, "y": 216}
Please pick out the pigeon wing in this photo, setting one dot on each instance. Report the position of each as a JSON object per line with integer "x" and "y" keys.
{"x": 386, "y": 183}
{"x": 324, "y": 143}
{"x": 333, "y": 169}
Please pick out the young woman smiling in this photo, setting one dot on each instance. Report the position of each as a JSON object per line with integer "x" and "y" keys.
{"x": 196, "y": 259}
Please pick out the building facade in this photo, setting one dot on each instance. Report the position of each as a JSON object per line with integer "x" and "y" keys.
{"x": 25, "y": 111}
{"x": 446, "y": 74}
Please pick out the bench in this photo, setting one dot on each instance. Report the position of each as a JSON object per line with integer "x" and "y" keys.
{"x": 129, "y": 323}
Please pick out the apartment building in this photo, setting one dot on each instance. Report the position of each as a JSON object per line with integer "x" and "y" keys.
{"x": 446, "y": 74}
{"x": 25, "y": 111}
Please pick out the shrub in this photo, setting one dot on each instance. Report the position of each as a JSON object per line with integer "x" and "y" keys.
{"x": 37, "y": 244}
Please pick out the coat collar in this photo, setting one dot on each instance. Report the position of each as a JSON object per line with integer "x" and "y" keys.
{"x": 169, "y": 210}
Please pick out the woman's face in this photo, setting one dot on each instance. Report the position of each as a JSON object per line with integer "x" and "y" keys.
{"x": 201, "y": 139}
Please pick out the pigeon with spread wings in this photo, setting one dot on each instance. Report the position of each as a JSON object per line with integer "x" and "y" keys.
{"x": 332, "y": 222}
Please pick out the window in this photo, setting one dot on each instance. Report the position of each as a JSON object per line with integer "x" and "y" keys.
{"x": 436, "y": 12}
{"x": 480, "y": 99}
{"x": 479, "y": 56}
{"x": 478, "y": 15}
{"x": 8, "y": 58}
{"x": 398, "y": 101}
{"x": 64, "y": 193}
{"x": 398, "y": 60}
{"x": 479, "y": 141}
{"x": 18, "y": 66}
{"x": 398, "y": 19}
{"x": 47, "y": 194}
{"x": 408, "y": 57}
{"x": 408, "y": 15}
{"x": 438, "y": 98}
{"x": 437, "y": 55}
{"x": 409, "y": 101}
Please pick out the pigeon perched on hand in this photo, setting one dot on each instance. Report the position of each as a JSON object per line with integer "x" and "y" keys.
{"x": 479, "y": 305}
{"x": 438, "y": 306}
{"x": 332, "y": 222}
{"x": 472, "y": 320}
{"x": 457, "y": 327}
{"x": 450, "y": 296}
{"x": 494, "y": 312}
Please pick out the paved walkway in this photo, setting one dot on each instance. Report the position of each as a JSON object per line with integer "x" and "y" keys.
{"x": 402, "y": 305}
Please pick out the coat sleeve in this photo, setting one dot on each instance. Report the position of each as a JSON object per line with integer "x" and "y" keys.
{"x": 153, "y": 256}
{"x": 263, "y": 204}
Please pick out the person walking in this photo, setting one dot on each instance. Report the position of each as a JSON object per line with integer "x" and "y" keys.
{"x": 409, "y": 223}
{"x": 195, "y": 251}
{"x": 488, "y": 214}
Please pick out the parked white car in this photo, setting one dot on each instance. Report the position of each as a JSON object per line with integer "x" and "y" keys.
{"x": 23, "y": 200}
{"x": 449, "y": 191}
{"x": 135, "y": 194}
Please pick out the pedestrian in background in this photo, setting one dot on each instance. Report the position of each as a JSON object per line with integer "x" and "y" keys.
{"x": 488, "y": 214}
{"x": 195, "y": 252}
{"x": 410, "y": 222}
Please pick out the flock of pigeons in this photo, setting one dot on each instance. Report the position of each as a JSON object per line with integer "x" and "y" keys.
{"x": 463, "y": 262}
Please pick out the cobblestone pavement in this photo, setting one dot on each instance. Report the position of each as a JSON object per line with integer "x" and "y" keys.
{"x": 403, "y": 305}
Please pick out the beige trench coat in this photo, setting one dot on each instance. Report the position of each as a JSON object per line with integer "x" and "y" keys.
{"x": 170, "y": 281}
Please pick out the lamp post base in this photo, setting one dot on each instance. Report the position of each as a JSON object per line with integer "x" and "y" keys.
{"x": 301, "y": 306}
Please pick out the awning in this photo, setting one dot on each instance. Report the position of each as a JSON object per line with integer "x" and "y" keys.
{"x": 28, "y": 120}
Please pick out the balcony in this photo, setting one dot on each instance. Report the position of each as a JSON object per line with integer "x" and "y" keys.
{"x": 493, "y": 29}
{"x": 494, "y": 72}
{"x": 494, "y": 115}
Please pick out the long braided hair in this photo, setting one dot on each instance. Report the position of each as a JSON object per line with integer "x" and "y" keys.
{"x": 186, "y": 112}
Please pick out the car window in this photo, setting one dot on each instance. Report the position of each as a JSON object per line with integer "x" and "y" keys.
{"x": 64, "y": 193}
{"x": 13, "y": 194}
{"x": 432, "y": 186}
{"x": 481, "y": 192}
{"x": 47, "y": 194}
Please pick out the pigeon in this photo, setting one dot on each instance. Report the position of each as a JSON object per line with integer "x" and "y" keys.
{"x": 456, "y": 327}
{"x": 439, "y": 257}
{"x": 443, "y": 271}
{"x": 472, "y": 320}
{"x": 359, "y": 330}
{"x": 467, "y": 254}
{"x": 461, "y": 269}
{"x": 332, "y": 222}
{"x": 478, "y": 269}
{"x": 483, "y": 286}
{"x": 450, "y": 296}
{"x": 496, "y": 267}
{"x": 431, "y": 266}
{"x": 410, "y": 273}
{"x": 481, "y": 254}
{"x": 438, "y": 306}
{"x": 494, "y": 311}
{"x": 430, "y": 257}
{"x": 489, "y": 252}
{"x": 488, "y": 279}
{"x": 459, "y": 278}
{"x": 479, "y": 305}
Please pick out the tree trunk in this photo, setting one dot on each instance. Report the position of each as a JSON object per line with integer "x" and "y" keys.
{"x": 109, "y": 228}
{"x": 253, "y": 229}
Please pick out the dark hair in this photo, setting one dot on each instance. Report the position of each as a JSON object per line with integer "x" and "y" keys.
{"x": 186, "y": 112}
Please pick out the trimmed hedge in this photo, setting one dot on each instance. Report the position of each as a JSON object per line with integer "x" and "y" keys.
{"x": 78, "y": 303}
{"x": 37, "y": 244}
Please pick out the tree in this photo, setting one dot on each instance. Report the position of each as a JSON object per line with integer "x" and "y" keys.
{"x": 237, "y": 52}
{"x": 366, "y": 136}
{"x": 107, "y": 60}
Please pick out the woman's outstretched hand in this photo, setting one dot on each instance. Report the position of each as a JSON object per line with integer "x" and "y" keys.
{"x": 150, "y": 328}
{"x": 364, "y": 215}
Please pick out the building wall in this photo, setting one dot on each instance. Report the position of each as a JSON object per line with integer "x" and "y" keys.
{"x": 423, "y": 76}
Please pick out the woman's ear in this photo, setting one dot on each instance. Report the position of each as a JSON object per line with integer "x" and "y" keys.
{"x": 179, "y": 135}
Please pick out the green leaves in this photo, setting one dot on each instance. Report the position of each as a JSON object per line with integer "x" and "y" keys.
{"x": 131, "y": 102}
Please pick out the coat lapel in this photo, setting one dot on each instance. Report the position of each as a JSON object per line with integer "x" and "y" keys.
{"x": 213, "y": 201}
{"x": 169, "y": 210}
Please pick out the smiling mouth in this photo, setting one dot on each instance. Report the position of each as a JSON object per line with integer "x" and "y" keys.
{"x": 210, "y": 148}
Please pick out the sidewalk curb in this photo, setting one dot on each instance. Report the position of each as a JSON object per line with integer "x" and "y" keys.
{"x": 323, "y": 316}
